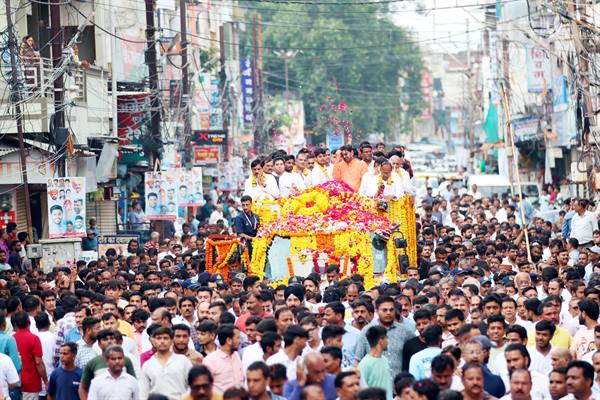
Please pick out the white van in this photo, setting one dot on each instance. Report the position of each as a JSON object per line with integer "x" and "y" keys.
{"x": 489, "y": 185}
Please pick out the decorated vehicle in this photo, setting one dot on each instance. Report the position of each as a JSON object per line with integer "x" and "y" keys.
{"x": 330, "y": 224}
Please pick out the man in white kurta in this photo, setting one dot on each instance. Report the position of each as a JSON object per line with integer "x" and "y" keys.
{"x": 407, "y": 184}
{"x": 321, "y": 172}
{"x": 386, "y": 184}
{"x": 260, "y": 186}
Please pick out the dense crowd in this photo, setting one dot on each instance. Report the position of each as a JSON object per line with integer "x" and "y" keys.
{"x": 488, "y": 311}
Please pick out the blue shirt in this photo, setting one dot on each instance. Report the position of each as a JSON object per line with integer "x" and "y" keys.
{"x": 247, "y": 224}
{"x": 8, "y": 346}
{"x": 493, "y": 384}
{"x": 292, "y": 390}
{"x": 73, "y": 335}
{"x": 63, "y": 384}
{"x": 420, "y": 362}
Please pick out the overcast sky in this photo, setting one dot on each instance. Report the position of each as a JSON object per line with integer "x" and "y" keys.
{"x": 442, "y": 26}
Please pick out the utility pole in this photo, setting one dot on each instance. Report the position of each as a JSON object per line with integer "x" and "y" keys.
{"x": 187, "y": 129}
{"x": 59, "y": 113}
{"x": 286, "y": 57}
{"x": 16, "y": 96}
{"x": 583, "y": 70}
{"x": 152, "y": 71}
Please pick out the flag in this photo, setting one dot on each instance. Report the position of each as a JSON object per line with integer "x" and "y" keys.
{"x": 490, "y": 126}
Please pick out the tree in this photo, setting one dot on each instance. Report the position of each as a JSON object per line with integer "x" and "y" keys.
{"x": 352, "y": 52}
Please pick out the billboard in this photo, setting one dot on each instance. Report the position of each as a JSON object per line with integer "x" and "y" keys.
{"x": 66, "y": 207}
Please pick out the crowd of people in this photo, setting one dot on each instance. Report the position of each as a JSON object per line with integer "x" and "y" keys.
{"x": 487, "y": 312}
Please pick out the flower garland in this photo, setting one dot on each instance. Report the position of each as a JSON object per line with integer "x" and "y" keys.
{"x": 324, "y": 170}
{"x": 332, "y": 221}
{"x": 380, "y": 180}
{"x": 220, "y": 245}
{"x": 221, "y": 266}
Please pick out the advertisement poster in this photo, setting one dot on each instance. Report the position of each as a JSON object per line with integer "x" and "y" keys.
{"x": 132, "y": 115}
{"x": 117, "y": 242}
{"x": 538, "y": 70}
{"x": 161, "y": 195}
{"x": 66, "y": 207}
{"x": 204, "y": 155}
{"x": 189, "y": 187}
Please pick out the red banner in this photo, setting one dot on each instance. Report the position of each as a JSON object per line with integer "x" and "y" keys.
{"x": 206, "y": 155}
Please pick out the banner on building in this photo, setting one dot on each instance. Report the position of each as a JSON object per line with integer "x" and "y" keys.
{"x": 208, "y": 102}
{"x": 247, "y": 90}
{"x": 205, "y": 137}
{"x": 117, "y": 242}
{"x": 189, "y": 187}
{"x": 231, "y": 174}
{"x": 66, "y": 207}
{"x": 204, "y": 155}
{"x": 133, "y": 114}
{"x": 161, "y": 195}
{"x": 526, "y": 128}
{"x": 538, "y": 70}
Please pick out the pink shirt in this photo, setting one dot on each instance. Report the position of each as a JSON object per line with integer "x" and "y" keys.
{"x": 226, "y": 369}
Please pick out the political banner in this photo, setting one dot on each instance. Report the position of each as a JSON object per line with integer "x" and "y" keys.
{"x": 189, "y": 187}
{"x": 161, "y": 195}
{"x": 117, "y": 242}
{"x": 66, "y": 207}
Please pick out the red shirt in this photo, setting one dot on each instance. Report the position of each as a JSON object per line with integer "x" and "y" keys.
{"x": 240, "y": 323}
{"x": 30, "y": 347}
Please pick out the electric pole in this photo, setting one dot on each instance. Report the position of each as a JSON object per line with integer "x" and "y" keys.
{"x": 187, "y": 129}
{"x": 152, "y": 72}
{"x": 60, "y": 134}
{"x": 16, "y": 96}
{"x": 286, "y": 57}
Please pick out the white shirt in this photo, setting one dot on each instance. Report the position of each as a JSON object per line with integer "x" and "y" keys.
{"x": 317, "y": 176}
{"x": 215, "y": 216}
{"x": 170, "y": 380}
{"x": 8, "y": 373}
{"x": 539, "y": 362}
{"x": 407, "y": 183}
{"x": 48, "y": 341}
{"x": 288, "y": 181}
{"x": 258, "y": 192}
{"x": 583, "y": 226}
{"x": 105, "y": 387}
{"x": 251, "y": 354}
{"x": 395, "y": 188}
{"x": 282, "y": 358}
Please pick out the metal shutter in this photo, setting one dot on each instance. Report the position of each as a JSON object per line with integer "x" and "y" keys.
{"x": 105, "y": 212}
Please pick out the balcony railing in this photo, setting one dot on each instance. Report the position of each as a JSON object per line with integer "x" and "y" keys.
{"x": 39, "y": 77}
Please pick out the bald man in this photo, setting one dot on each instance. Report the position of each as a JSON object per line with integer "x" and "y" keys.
{"x": 560, "y": 357}
{"x": 315, "y": 375}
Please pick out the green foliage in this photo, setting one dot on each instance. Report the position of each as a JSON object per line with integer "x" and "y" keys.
{"x": 349, "y": 52}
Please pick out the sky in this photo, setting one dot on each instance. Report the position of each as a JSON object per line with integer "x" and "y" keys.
{"x": 442, "y": 25}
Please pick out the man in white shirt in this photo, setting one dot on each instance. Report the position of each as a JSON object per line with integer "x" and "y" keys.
{"x": 290, "y": 182}
{"x": 385, "y": 184}
{"x": 321, "y": 172}
{"x": 407, "y": 184}
{"x": 583, "y": 223}
{"x": 165, "y": 372}
{"x": 115, "y": 383}
{"x": 260, "y": 186}
{"x": 301, "y": 167}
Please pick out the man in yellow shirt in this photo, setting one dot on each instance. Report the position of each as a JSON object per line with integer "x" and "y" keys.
{"x": 551, "y": 312}
{"x": 350, "y": 169}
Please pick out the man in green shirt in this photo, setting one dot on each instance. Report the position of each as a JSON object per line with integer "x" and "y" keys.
{"x": 97, "y": 365}
{"x": 374, "y": 367}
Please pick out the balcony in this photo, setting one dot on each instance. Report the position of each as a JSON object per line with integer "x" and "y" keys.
{"x": 88, "y": 112}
